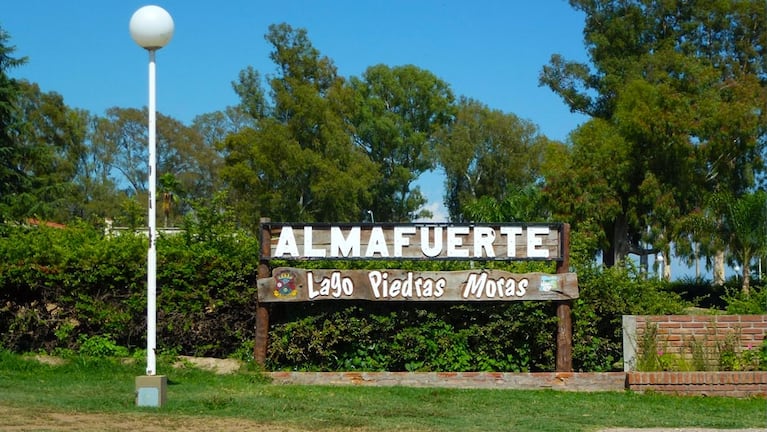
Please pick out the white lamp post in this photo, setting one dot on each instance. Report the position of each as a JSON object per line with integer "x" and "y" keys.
{"x": 660, "y": 260}
{"x": 152, "y": 28}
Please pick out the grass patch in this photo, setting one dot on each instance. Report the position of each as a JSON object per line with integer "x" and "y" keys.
{"x": 106, "y": 387}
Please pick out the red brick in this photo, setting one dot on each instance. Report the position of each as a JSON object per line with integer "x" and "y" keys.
{"x": 695, "y": 325}
{"x": 669, "y": 325}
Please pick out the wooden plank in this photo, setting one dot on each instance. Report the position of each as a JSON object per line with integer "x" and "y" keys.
{"x": 564, "y": 360}
{"x": 506, "y": 242}
{"x": 289, "y": 284}
{"x": 261, "y": 341}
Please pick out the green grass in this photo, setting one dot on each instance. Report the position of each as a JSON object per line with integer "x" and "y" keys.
{"x": 103, "y": 386}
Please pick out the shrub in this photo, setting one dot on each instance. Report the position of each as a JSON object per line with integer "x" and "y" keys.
{"x": 101, "y": 347}
{"x": 517, "y": 336}
{"x": 738, "y": 302}
{"x": 605, "y": 296}
{"x": 61, "y": 287}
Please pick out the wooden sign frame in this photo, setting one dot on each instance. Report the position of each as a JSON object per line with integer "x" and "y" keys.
{"x": 426, "y": 241}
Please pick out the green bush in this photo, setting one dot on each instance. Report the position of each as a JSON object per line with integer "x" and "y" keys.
{"x": 605, "y": 296}
{"x": 60, "y": 287}
{"x": 516, "y": 336}
{"x": 68, "y": 289}
{"x": 753, "y": 302}
{"x": 101, "y": 347}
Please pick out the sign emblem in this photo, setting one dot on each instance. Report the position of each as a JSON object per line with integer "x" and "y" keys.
{"x": 285, "y": 285}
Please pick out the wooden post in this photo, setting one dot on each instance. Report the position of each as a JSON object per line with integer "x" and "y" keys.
{"x": 262, "y": 313}
{"x": 564, "y": 362}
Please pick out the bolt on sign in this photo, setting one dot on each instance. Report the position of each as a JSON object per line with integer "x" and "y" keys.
{"x": 507, "y": 242}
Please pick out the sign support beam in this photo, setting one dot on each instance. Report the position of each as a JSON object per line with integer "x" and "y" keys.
{"x": 262, "y": 313}
{"x": 564, "y": 361}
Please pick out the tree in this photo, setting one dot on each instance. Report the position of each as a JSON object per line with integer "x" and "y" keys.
{"x": 521, "y": 204}
{"x": 298, "y": 162}
{"x": 487, "y": 153}
{"x": 745, "y": 229}
{"x": 170, "y": 190}
{"x": 52, "y": 137}
{"x": 120, "y": 138}
{"x": 681, "y": 86}
{"x": 585, "y": 182}
{"x": 399, "y": 110}
{"x": 12, "y": 178}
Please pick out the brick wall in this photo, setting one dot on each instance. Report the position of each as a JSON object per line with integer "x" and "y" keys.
{"x": 687, "y": 336}
{"x": 731, "y": 384}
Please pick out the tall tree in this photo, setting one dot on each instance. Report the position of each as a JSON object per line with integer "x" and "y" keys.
{"x": 399, "y": 110}
{"x": 12, "y": 178}
{"x": 683, "y": 86}
{"x": 120, "y": 139}
{"x": 53, "y": 138}
{"x": 299, "y": 161}
{"x": 745, "y": 229}
{"x": 122, "y": 136}
{"x": 487, "y": 153}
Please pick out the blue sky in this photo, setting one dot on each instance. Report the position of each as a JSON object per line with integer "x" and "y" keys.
{"x": 489, "y": 50}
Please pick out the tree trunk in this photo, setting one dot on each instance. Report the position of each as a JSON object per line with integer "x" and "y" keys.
{"x": 619, "y": 245}
{"x": 746, "y": 287}
{"x": 746, "y": 280}
{"x": 719, "y": 268}
{"x": 697, "y": 261}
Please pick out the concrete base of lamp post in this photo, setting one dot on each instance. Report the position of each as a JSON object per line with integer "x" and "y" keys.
{"x": 151, "y": 390}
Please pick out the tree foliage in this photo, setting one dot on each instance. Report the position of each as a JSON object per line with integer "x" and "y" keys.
{"x": 398, "y": 112}
{"x": 298, "y": 162}
{"x": 744, "y": 228}
{"x": 681, "y": 89}
{"x": 52, "y": 138}
{"x": 12, "y": 177}
{"x": 487, "y": 154}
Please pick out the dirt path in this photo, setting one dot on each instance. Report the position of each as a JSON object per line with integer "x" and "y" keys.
{"x": 16, "y": 419}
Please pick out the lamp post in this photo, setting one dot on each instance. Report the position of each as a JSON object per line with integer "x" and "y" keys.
{"x": 151, "y": 27}
{"x": 661, "y": 269}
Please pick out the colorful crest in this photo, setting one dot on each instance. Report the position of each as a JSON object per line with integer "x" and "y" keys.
{"x": 286, "y": 284}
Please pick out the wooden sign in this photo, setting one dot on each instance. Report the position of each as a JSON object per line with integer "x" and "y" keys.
{"x": 289, "y": 284}
{"x": 506, "y": 242}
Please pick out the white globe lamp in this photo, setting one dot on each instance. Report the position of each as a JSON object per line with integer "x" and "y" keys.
{"x": 151, "y": 27}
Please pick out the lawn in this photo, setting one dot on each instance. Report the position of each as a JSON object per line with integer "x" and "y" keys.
{"x": 93, "y": 394}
